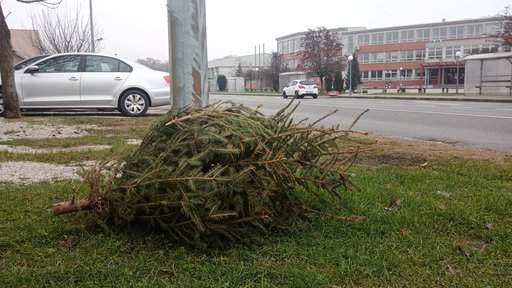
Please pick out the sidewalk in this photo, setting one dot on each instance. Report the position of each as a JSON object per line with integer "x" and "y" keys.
{"x": 475, "y": 98}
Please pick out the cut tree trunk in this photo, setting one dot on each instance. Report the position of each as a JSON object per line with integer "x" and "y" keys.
{"x": 73, "y": 206}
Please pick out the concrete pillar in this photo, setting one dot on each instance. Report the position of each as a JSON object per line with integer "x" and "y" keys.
{"x": 188, "y": 56}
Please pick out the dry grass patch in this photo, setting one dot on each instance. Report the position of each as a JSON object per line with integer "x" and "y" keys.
{"x": 397, "y": 152}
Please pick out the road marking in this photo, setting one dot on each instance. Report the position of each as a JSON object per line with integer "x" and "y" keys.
{"x": 437, "y": 103}
{"x": 438, "y": 113}
{"x": 397, "y": 110}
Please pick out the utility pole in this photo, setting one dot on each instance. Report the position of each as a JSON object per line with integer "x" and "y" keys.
{"x": 93, "y": 48}
{"x": 188, "y": 56}
{"x": 350, "y": 58}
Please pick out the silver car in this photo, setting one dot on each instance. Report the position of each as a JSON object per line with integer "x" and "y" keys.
{"x": 86, "y": 80}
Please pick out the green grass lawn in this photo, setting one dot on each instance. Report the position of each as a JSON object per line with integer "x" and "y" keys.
{"x": 447, "y": 224}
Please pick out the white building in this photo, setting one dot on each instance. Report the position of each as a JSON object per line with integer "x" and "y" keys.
{"x": 228, "y": 65}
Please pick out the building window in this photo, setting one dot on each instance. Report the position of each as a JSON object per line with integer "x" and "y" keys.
{"x": 378, "y": 75}
{"x": 377, "y": 38}
{"x": 363, "y": 39}
{"x": 420, "y": 55}
{"x": 457, "y": 32}
{"x": 379, "y": 57}
{"x": 372, "y": 75}
{"x": 390, "y": 74}
{"x": 450, "y": 51}
{"x": 407, "y": 36}
{"x": 492, "y": 28}
{"x": 407, "y": 55}
{"x": 476, "y": 50}
{"x": 467, "y": 50}
{"x": 364, "y": 58}
{"x": 423, "y": 34}
{"x": 392, "y": 37}
{"x": 435, "y": 53}
{"x": 364, "y": 75}
{"x": 418, "y": 74}
{"x": 392, "y": 56}
{"x": 474, "y": 30}
{"x": 407, "y": 74}
{"x": 350, "y": 44}
{"x": 439, "y": 33}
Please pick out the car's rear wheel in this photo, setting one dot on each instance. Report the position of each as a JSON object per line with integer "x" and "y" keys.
{"x": 284, "y": 95}
{"x": 134, "y": 103}
{"x": 315, "y": 96}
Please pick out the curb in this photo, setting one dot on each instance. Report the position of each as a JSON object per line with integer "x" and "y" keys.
{"x": 431, "y": 98}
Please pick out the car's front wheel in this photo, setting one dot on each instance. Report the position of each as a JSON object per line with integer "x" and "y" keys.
{"x": 284, "y": 95}
{"x": 134, "y": 103}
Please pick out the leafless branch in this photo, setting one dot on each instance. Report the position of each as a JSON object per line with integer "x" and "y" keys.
{"x": 62, "y": 32}
{"x": 357, "y": 119}
{"x": 47, "y": 3}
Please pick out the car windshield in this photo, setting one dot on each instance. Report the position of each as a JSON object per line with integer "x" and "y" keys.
{"x": 307, "y": 82}
{"x": 28, "y": 62}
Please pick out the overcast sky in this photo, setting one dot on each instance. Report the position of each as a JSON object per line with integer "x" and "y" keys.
{"x": 138, "y": 29}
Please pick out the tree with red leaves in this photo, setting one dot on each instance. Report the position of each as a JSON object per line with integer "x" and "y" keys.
{"x": 322, "y": 52}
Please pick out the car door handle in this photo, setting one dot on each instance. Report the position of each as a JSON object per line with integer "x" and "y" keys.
{"x": 118, "y": 78}
{"x": 73, "y": 79}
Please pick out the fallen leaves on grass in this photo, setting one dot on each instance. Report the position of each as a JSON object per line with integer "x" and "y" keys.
{"x": 452, "y": 270}
{"x": 70, "y": 243}
{"x": 393, "y": 205}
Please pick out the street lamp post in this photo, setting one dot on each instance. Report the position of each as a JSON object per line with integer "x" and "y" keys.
{"x": 400, "y": 88}
{"x": 457, "y": 59}
{"x": 350, "y": 58}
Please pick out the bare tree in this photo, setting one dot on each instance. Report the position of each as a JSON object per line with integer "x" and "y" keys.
{"x": 155, "y": 64}
{"x": 8, "y": 96}
{"x": 62, "y": 32}
{"x": 504, "y": 34}
{"x": 322, "y": 52}
{"x": 277, "y": 66}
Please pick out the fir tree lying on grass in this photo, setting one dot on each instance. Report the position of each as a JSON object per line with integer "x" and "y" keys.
{"x": 221, "y": 174}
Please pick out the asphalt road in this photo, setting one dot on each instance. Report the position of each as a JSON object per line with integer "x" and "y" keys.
{"x": 484, "y": 125}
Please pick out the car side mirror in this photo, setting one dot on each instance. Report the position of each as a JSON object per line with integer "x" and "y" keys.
{"x": 32, "y": 69}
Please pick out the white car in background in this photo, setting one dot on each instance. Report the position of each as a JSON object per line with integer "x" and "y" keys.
{"x": 88, "y": 80}
{"x": 301, "y": 88}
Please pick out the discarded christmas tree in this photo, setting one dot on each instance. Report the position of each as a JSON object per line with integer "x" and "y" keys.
{"x": 217, "y": 175}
